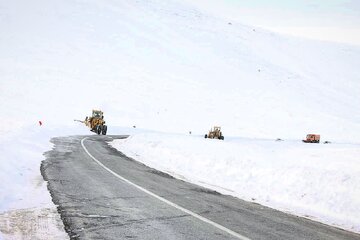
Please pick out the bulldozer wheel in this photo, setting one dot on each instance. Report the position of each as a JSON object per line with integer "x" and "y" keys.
{"x": 104, "y": 130}
{"x": 98, "y": 129}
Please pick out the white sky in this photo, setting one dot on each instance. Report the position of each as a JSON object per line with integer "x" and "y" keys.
{"x": 332, "y": 20}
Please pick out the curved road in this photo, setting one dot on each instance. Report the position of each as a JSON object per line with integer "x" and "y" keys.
{"x": 102, "y": 194}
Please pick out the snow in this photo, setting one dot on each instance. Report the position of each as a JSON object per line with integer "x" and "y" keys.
{"x": 317, "y": 181}
{"x": 168, "y": 66}
{"x": 22, "y": 185}
{"x": 25, "y": 203}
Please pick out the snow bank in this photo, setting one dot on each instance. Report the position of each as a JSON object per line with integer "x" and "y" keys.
{"x": 25, "y": 203}
{"x": 317, "y": 181}
{"x": 22, "y": 185}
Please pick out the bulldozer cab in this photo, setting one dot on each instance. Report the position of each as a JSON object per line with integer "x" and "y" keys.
{"x": 312, "y": 138}
{"x": 97, "y": 114}
{"x": 217, "y": 129}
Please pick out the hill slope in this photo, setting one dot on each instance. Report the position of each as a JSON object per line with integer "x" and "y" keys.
{"x": 168, "y": 66}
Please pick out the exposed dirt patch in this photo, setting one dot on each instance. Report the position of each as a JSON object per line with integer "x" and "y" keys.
{"x": 205, "y": 190}
{"x": 162, "y": 174}
{"x": 41, "y": 224}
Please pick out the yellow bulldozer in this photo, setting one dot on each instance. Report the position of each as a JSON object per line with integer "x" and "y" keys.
{"x": 215, "y": 132}
{"x": 96, "y": 122}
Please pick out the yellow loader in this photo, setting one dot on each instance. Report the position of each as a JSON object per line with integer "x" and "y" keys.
{"x": 215, "y": 132}
{"x": 96, "y": 122}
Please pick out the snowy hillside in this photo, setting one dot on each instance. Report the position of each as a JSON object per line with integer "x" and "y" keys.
{"x": 165, "y": 66}
{"x": 168, "y": 66}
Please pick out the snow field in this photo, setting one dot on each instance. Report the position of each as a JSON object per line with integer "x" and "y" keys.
{"x": 171, "y": 67}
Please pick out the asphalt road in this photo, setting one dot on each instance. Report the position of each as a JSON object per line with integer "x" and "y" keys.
{"x": 102, "y": 194}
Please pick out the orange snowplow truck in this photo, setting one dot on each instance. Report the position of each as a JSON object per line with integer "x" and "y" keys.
{"x": 96, "y": 122}
{"x": 312, "y": 138}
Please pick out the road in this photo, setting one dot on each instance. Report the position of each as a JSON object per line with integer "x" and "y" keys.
{"x": 102, "y": 194}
